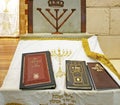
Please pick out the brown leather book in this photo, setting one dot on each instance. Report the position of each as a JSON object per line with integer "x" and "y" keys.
{"x": 37, "y": 71}
{"x": 100, "y": 77}
{"x": 77, "y": 75}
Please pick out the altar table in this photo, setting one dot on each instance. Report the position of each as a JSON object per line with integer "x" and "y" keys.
{"x": 10, "y": 92}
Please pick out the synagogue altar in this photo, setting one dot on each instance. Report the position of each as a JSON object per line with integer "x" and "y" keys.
{"x": 72, "y": 44}
{"x": 57, "y": 27}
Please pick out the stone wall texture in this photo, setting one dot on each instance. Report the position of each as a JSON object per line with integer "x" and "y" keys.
{"x": 103, "y": 19}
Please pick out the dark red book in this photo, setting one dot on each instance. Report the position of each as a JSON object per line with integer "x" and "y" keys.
{"x": 37, "y": 71}
{"x": 101, "y": 78}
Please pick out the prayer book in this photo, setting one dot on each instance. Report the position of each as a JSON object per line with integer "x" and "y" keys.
{"x": 77, "y": 75}
{"x": 100, "y": 77}
{"x": 37, "y": 71}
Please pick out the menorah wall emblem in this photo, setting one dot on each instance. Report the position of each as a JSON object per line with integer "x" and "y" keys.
{"x": 60, "y": 55}
{"x": 6, "y": 3}
{"x": 6, "y": 25}
{"x": 57, "y": 16}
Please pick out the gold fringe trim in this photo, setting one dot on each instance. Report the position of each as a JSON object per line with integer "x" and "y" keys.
{"x": 13, "y": 104}
{"x": 53, "y": 37}
{"x": 100, "y": 57}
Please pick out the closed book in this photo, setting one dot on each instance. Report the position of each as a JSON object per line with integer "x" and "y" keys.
{"x": 77, "y": 75}
{"x": 37, "y": 71}
{"x": 100, "y": 77}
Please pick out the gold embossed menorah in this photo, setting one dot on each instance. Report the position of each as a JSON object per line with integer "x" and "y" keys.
{"x": 60, "y": 54}
{"x": 6, "y": 3}
{"x": 57, "y": 16}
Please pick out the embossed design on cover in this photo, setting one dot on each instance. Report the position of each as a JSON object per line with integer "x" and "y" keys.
{"x": 100, "y": 77}
{"x": 36, "y": 71}
{"x": 98, "y": 68}
{"x": 77, "y": 76}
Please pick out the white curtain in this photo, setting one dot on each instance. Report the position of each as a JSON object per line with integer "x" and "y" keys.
{"x": 9, "y": 18}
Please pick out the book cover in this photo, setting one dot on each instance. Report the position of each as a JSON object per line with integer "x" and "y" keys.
{"x": 100, "y": 77}
{"x": 77, "y": 75}
{"x": 37, "y": 71}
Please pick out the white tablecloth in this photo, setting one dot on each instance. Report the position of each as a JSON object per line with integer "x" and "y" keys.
{"x": 10, "y": 92}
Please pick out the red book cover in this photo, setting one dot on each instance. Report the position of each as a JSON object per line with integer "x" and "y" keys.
{"x": 37, "y": 72}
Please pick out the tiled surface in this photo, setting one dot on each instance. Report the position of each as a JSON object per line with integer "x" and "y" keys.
{"x": 98, "y": 2}
{"x": 104, "y": 3}
{"x": 115, "y": 21}
{"x": 110, "y": 46}
{"x": 98, "y": 20}
{"x": 103, "y": 17}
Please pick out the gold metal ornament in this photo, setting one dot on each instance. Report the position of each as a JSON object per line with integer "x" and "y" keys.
{"x": 60, "y": 54}
{"x": 98, "y": 68}
{"x": 6, "y": 3}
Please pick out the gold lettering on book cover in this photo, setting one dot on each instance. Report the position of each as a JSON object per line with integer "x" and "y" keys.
{"x": 98, "y": 68}
{"x": 60, "y": 55}
{"x": 35, "y": 62}
{"x": 76, "y": 72}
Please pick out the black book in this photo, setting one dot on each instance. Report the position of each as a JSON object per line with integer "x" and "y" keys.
{"x": 77, "y": 75}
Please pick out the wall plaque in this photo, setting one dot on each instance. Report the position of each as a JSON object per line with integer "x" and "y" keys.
{"x": 56, "y": 16}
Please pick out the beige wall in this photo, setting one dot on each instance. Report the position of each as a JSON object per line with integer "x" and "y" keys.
{"x": 103, "y": 19}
